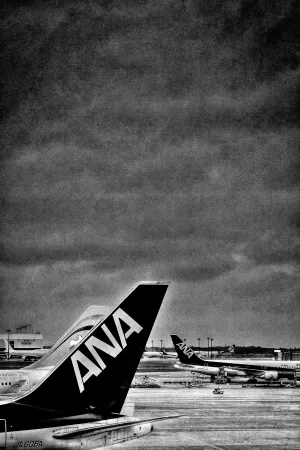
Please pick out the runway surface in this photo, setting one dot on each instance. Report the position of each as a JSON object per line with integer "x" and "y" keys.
{"x": 241, "y": 418}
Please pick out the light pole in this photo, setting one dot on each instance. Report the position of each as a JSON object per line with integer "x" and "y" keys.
{"x": 184, "y": 341}
{"x": 152, "y": 344}
{"x": 8, "y": 331}
{"x": 211, "y": 339}
{"x": 199, "y": 344}
{"x": 208, "y": 347}
{"x": 161, "y": 344}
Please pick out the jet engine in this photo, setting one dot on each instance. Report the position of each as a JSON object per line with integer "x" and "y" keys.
{"x": 270, "y": 375}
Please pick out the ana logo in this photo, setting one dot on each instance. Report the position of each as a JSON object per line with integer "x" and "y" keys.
{"x": 75, "y": 341}
{"x": 186, "y": 350}
{"x": 27, "y": 341}
{"x": 113, "y": 350}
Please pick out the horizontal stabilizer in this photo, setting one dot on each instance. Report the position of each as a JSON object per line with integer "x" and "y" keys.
{"x": 128, "y": 409}
{"x": 105, "y": 426}
{"x": 73, "y": 335}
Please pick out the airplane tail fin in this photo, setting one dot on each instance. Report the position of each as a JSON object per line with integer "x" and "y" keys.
{"x": 73, "y": 335}
{"x": 185, "y": 354}
{"x": 230, "y": 349}
{"x": 8, "y": 346}
{"x": 97, "y": 373}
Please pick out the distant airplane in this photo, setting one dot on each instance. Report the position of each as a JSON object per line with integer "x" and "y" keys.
{"x": 255, "y": 369}
{"x": 161, "y": 354}
{"x": 172, "y": 355}
{"x": 79, "y": 403}
{"x": 147, "y": 354}
{"x": 230, "y": 349}
{"x": 34, "y": 373}
{"x": 214, "y": 353}
{"x": 24, "y": 354}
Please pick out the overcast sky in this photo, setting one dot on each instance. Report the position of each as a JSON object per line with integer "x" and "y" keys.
{"x": 146, "y": 140}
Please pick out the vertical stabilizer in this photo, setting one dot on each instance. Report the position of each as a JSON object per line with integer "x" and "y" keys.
{"x": 80, "y": 328}
{"x": 185, "y": 354}
{"x": 97, "y": 373}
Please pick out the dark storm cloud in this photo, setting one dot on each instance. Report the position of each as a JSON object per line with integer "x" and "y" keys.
{"x": 159, "y": 139}
{"x": 203, "y": 190}
{"x": 199, "y": 273}
{"x": 270, "y": 296}
{"x": 267, "y": 282}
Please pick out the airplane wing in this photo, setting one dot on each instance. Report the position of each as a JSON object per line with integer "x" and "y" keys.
{"x": 255, "y": 372}
{"x": 13, "y": 389}
{"x": 100, "y": 427}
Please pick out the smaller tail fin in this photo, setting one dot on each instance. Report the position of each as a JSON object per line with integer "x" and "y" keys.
{"x": 73, "y": 335}
{"x": 8, "y": 347}
{"x": 185, "y": 354}
{"x": 230, "y": 349}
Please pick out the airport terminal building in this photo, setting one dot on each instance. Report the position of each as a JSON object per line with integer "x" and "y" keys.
{"x": 20, "y": 341}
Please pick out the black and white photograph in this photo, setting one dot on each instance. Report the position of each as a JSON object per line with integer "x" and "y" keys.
{"x": 150, "y": 224}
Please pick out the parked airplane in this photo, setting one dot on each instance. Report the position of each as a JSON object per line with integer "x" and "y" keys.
{"x": 161, "y": 354}
{"x": 24, "y": 354}
{"x": 230, "y": 349}
{"x": 147, "y": 354}
{"x": 79, "y": 403}
{"x": 33, "y": 374}
{"x": 166, "y": 354}
{"x": 255, "y": 369}
{"x": 214, "y": 353}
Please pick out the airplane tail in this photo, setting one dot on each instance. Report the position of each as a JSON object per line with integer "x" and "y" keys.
{"x": 96, "y": 374}
{"x": 9, "y": 348}
{"x": 73, "y": 335}
{"x": 185, "y": 354}
{"x": 230, "y": 349}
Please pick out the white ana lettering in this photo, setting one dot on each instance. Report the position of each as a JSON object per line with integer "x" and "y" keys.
{"x": 186, "y": 350}
{"x": 112, "y": 350}
{"x": 92, "y": 368}
{"x": 133, "y": 325}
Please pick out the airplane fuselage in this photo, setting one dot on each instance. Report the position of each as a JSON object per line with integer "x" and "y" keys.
{"x": 37, "y": 353}
{"x": 208, "y": 370}
{"x": 270, "y": 369}
{"x": 259, "y": 364}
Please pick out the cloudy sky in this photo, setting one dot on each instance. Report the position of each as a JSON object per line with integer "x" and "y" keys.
{"x": 146, "y": 140}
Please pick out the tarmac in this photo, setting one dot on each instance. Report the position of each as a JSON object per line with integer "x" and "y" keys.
{"x": 240, "y": 418}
